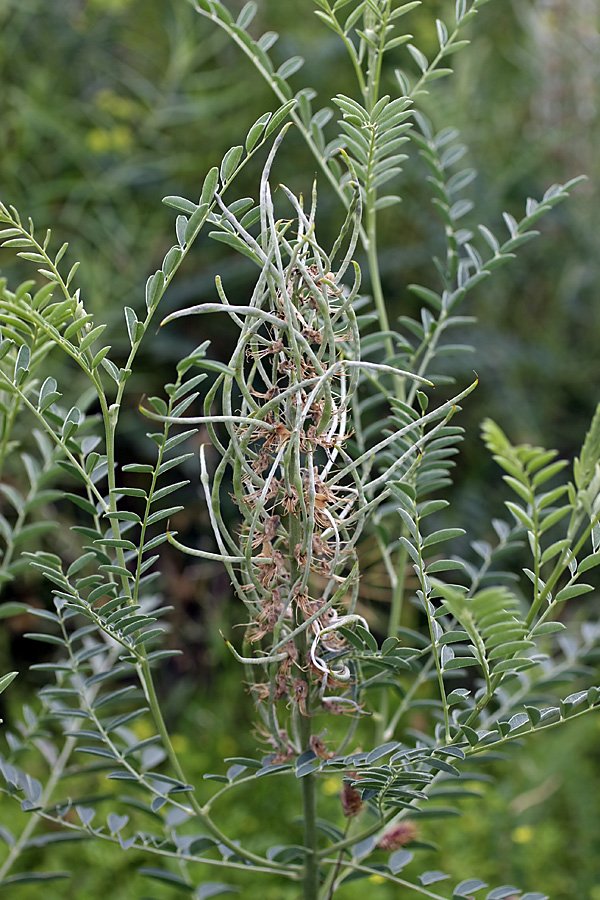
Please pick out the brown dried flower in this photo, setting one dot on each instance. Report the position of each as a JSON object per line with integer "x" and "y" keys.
{"x": 301, "y": 695}
{"x": 351, "y": 801}
{"x": 290, "y": 499}
{"x": 319, "y": 747}
{"x": 262, "y": 462}
{"x": 311, "y": 334}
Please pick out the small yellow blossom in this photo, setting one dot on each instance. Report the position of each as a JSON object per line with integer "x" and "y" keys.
{"x": 523, "y": 834}
{"x": 109, "y": 140}
{"x": 331, "y": 786}
{"x": 113, "y": 103}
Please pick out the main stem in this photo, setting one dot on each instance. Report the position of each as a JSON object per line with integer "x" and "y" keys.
{"x": 309, "y": 805}
{"x": 309, "y": 793}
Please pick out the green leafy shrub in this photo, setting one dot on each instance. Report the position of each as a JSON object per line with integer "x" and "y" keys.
{"x": 324, "y": 428}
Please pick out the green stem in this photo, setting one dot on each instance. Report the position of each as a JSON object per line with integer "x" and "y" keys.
{"x": 348, "y": 842}
{"x": 7, "y": 426}
{"x": 562, "y": 563}
{"x": 473, "y": 751}
{"x": 378, "y": 874}
{"x": 393, "y": 626}
{"x": 376, "y": 55}
{"x": 330, "y": 886}
{"x": 360, "y": 78}
{"x": 309, "y": 794}
{"x": 373, "y": 260}
{"x": 149, "y": 689}
{"x": 404, "y": 706}
{"x": 434, "y": 643}
{"x": 53, "y": 435}
{"x": 309, "y": 806}
{"x": 290, "y": 872}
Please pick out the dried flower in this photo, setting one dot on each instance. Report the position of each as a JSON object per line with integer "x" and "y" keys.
{"x": 262, "y": 462}
{"x": 290, "y": 499}
{"x": 351, "y": 801}
{"x": 301, "y": 695}
{"x": 398, "y": 836}
{"x": 319, "y": 747}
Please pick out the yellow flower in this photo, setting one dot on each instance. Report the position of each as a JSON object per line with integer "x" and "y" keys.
{"x": 523, "y": 834}
{"x": 331, "y": 786}
{"x": 108, "y": 140}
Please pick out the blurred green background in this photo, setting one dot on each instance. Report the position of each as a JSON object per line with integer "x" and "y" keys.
{"x": 108, "y": 105}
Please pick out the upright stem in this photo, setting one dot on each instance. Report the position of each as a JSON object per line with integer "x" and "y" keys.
{"x": 434, "y": 642}
{"x": 309, "y": 794}
{"x": 373, "y": 258}
{"x": 309, "y": 804}
{"x": 371, "y": 94}
{"x": 309, "y": 810}
{"x": 377, "y": 289}
{"x": 7, "y": 425}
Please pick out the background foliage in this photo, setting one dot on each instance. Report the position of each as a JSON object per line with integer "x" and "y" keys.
{"x": 109, "y": 102}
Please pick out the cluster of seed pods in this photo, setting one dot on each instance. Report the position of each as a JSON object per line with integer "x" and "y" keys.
{"x": 289, "y": 409}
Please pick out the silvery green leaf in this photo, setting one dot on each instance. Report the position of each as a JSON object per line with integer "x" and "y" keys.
{"x": 418, "y": 56}
{"x": 431, "y": 877}
{"x": 500, "y": 893}
{"x": 126, "y": 843}
{"x": 246, "y": 15}
{"x": 399, "y": 859}
{"x": 154, "y": 287}
{"x": 290, "y": 66}
{"x": 363, "y": 848}
{"x": 230, "y": 163}
{"x": 131, "y": 321}
{"x": 197, "y": 219}
{"x": 166, "y": 876}
{"x": 461, "y": 8}
{"x": 33, "y": 878}
{"x": 13, "y": 496}
{"x": 116, "y": 823}
{"x": 6, "y": 346}
{"x": 442, "y": 32}
{"x": 86, "y": 814}
{"x": 181, "y": 223}
{"x": 171, "y": 260}
{"x": 278, "y": 116}
{"x": 209, "y": 186}
{"x": 256, "y": 131}
{"x": 213, "y": 888}
{"x": 403, "y": 82}
{"x": 267, "y": 40}
{"x": 181, "y": 204}
{"x": 22, "y": 362}
{"x": 6, "y": 680}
